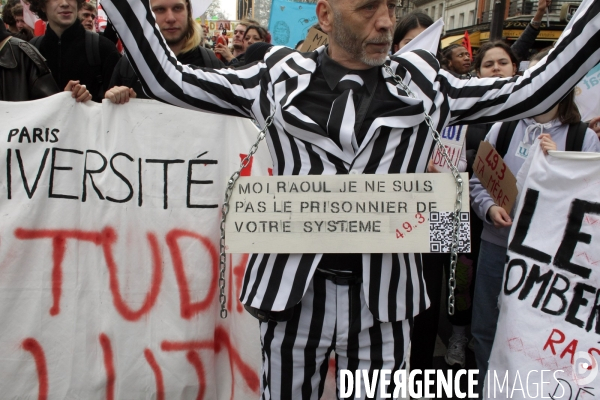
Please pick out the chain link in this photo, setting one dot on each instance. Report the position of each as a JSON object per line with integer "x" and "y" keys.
{"x": 225, "y": 210}
{"x": 459, "y": 190}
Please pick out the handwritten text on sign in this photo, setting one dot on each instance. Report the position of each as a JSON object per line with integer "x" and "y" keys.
{"x": 495, "y": 176}
{"x": 341, "y": 213}
{"x": 453, "y": 138}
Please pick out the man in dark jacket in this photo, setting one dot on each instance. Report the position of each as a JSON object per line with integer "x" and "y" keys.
{"x": 183, "y": 36}
{"x": 24, "y": 74}
{"x": 71, "y": 53}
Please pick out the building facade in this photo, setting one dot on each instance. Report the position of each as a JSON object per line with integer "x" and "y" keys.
{"x": 475, "y": 17}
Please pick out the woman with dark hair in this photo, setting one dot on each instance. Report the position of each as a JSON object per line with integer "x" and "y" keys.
{"x": 408, "y": 27}
{"x": 551, "y": 128}
{"x": 255, "y": 33}
{"x": 495, "y": 59}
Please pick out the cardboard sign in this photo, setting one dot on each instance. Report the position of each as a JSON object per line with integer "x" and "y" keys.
{"x": 495, "y": 176}
{"x": 396, "y": 213}
{"x": 453, "y": 138}
{"x": 314, "y": 39}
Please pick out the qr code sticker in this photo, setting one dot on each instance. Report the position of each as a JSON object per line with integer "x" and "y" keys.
{"x": 440, "y": 232}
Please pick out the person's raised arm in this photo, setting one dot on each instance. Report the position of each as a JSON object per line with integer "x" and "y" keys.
{"x": 540, "y": 88}
{"x": 525, "y": 42}
{"x": 225, "y": 91}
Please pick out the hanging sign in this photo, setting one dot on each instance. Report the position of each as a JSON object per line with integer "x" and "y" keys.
{"x": 393, "y": 213}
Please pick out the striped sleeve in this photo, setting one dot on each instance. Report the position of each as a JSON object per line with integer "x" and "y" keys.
{"x": 540, "y": 88}
{"x": 224, "y": 91}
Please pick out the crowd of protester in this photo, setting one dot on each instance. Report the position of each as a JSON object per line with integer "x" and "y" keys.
{"x": 73, "y": 56}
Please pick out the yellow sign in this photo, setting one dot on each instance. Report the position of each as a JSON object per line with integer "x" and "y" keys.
{"x": 515, "y": 33}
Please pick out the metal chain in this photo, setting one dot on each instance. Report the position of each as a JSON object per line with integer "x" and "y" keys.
{"x": 459, "y": 191}
{"x": 456, "y": 215}
{"x": 225, "y": 210}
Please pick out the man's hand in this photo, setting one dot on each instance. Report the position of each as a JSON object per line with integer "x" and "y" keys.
{"x": 499, "y": 217}
{"x": 78, "y": 92}
{"x": 541, "y": 10}
{"x": 595, "y": 125}
{"x": 546, "y": 143}
{"x": 120, "y": 94}
{"x": 223, "y": 50}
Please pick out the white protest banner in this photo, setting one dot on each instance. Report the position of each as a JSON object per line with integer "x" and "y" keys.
{"x": 109, "y": 253}
{"x": 394, "y": 213}
{"x": 587, "y": 94}
{"x": 453, "y": 139}
{"x": 546, "y": 343}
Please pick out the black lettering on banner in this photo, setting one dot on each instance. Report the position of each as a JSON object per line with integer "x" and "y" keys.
{"x": 515, "y": 263}
{"x": 53, "y": 167}
{"x": 89, "y": 172}
{"x": 560, "y": 293}
{"x": 578, "y": 301}
{"x": 191, "y": 182}
{"x": 573, "y": 235}
{"x": 165, "y": 164}
{"x": 53, "y": 132}
{"x": 140, "y": 195}
{"x": 594, "y": 315}
{"x": 37, "y": 177}
{"x": 122, "y": 177}
{"x": 24, "y": 133}
{"x": 533, "y": 278}
{"x": 37, "y": 134}
{"x": 12, "y": 133}
{"x": 9, "y": 173}
{"x": 516, "y": 244}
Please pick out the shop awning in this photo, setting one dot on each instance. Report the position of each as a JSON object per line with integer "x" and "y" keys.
{"x": 451, "y": 40}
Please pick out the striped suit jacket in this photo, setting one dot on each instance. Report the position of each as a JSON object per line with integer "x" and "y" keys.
{"x": 398, "y": 141}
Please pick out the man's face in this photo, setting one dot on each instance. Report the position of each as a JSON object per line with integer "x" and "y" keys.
{"x": 363, "y": 29}
{"x": 172, "y": 19}
{"x": 61, "y": 13}
{"x": 238, "y": 36}
{"x": 87, "y": 18}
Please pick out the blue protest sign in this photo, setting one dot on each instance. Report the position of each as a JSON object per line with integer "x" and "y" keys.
{"x": 290, "y": 21}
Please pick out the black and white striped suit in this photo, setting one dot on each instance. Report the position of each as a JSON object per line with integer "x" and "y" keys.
{"x": 397, "y": 141}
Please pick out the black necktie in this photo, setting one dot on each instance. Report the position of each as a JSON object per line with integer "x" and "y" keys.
{"x": 340, "y": 126}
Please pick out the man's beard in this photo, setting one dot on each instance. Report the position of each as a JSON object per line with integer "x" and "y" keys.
{"x": 176, "y": 40}
{"x": 348, "y": 40}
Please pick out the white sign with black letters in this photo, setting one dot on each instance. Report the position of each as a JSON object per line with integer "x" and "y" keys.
{"x": 345, "y": 214}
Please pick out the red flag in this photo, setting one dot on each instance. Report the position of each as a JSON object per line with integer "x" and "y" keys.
{"x": 466, "y": 42}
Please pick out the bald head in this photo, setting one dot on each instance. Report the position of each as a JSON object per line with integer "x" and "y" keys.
{"x": 360, "y": 31}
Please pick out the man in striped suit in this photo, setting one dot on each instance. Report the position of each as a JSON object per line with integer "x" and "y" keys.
{"x": 361, "y": 306}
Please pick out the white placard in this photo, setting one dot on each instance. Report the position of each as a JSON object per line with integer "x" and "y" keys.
{"x": 345, "y": 214}
{"x": 453, "y": 138}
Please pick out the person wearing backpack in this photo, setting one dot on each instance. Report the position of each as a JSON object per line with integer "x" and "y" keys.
{"x": 558, "y": 129}
{"x": 183, "y": 36}
{"x": 72, "y": 53}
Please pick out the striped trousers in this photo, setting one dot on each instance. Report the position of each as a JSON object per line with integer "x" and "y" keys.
{"x": 329, "y": 317}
